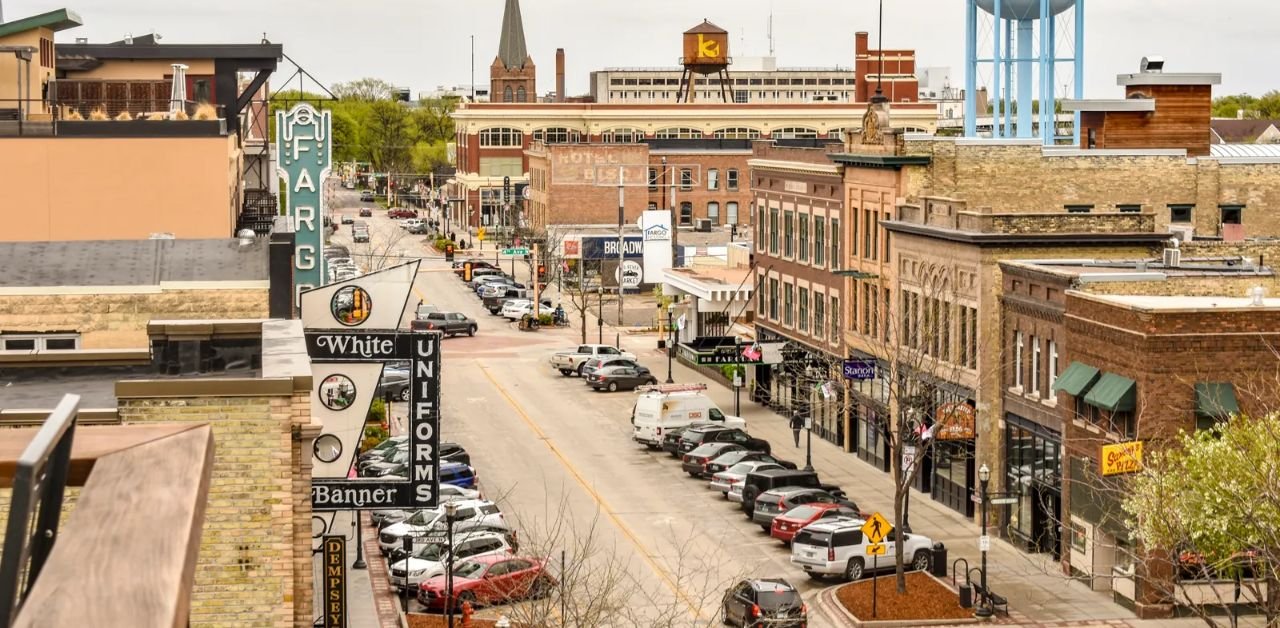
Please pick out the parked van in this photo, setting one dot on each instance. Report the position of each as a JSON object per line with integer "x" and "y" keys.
{"x": 662, "y": 408}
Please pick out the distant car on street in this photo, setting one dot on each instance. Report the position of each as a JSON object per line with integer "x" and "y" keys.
{"x": 401, "y": 212}
{"x": 620, "y": 377}
{"x": 366, "y": 196}
{"x": 347, "y": 219}
{"x": 572, "y": 361}
{"x": 365, "y": 212}
{"x": 451, "y": 323}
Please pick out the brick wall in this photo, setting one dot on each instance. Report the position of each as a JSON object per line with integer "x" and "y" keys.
{"x": 254, "y": 564}
{"x": 700, "y": 194}
{"x": 119, "y": 321}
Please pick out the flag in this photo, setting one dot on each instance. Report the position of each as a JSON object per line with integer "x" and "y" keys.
{"x": 828, "y": 390}
{"x": 680, "y": 323}
{"x": 926, "y": 433}
{"x": 752, "y": 352}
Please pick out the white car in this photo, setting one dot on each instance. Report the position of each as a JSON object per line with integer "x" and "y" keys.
{"x": 410, "y": 222}
{"x": 425, "y": 522}
{"x": 731, "y": 480}
{"x": 429, "y": 561}
{"x": 837, "y": 547}
{"x": 517, "y": 311}
{"x": 448, "y": 493}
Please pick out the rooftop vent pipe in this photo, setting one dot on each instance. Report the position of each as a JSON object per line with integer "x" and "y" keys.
{"x": 1152, "y": 65}
{"x": 1256, "y": 295}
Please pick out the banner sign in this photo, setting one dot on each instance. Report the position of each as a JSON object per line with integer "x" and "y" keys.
{"x": 860, "y": 369}
{"x": 305, "y": 146}
{"x": 954, "y": 421}
{"x": 1122, "y": 458}
{"x": 606, "y": 247}
{"x": 334, "y": 552}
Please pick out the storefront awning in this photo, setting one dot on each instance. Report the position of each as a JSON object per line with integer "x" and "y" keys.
{"x": 1076, "y": 379}
{"x": 1216, "y": 399}
{"x": 1113, "y": 393}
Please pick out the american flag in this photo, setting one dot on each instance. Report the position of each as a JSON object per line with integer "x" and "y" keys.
{"x": 752, "y": 352}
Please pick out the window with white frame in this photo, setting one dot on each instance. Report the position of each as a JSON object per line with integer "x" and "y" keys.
{"x": 1053, "y": 366}
{"x": 1035, "y": 365}
{"x": 501, "y": 137}
{"x": 678, "y": 133}
{"x": 794, "y": 132}
{"x": 713, "y": 179}
{"x": 1017, "y": 359}
{"x": 557, "y": 135}
{"x": 622, "y": 136}
{"x": 737, "y": 133}
{"x": 731, "y": 211}
{"x": 40, "y": 342}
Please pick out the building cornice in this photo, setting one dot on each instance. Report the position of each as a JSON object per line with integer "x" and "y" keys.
{"x": 1039, "y": 239}
{"x": 794, "y": 166}
{"x": 880, "y": 161}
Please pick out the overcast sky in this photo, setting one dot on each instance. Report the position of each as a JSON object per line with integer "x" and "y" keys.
{"x": 424, "y": 43}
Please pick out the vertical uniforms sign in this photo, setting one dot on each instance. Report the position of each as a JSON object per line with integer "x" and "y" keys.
{"x": 305, "y": 148}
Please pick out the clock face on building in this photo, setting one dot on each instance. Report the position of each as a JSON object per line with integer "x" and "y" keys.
{"x": 327, "y": 448}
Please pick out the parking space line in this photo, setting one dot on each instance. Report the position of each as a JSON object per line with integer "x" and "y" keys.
{"x": 600, "y": 502}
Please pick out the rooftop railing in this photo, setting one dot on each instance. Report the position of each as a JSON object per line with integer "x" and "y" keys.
{"x": 36, "y": 117}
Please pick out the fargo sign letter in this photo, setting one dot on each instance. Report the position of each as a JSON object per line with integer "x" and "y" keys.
{"x": 304, "y": 145}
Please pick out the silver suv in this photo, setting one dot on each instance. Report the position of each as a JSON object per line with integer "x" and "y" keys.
{"x": 837, "y": 547}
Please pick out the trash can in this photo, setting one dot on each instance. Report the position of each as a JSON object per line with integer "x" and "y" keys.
{"x": 939, "y": 564}
{"x": 966, "y": 595}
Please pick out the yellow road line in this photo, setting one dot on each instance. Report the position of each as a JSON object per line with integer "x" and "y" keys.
{"x": 604, "y": 506}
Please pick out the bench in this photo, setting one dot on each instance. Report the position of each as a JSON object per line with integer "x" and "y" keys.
{"x": 998, "y": 603}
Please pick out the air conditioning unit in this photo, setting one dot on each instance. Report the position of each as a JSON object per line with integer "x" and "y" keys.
{"x": 702, "y": 224}
{"x": 1172, "y": 257}
{"x": 1186, "y": 233}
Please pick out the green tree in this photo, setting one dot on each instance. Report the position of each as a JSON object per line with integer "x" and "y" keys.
{"x": 427, "y": 156}
{"x": 389, "y": 137}
{"x": 433, "y": 119}
{"x": 1211, "y": 502}
{"x": 1266, "y": 107}
{"x": 368, "y": 89}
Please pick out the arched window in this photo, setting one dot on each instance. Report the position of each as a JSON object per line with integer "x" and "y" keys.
{"x": 507, "y": 94}
{"x": 678, "y": 133}
{"x": 557, "y": 135}
{"x": 794, "y": 132}
{"x": 521, "y": 95}
{"x": 838, "y": 133}
{"x": 737, "y": 133}
{"x": 622, "y": 136}
{"x": 503, "y": 137}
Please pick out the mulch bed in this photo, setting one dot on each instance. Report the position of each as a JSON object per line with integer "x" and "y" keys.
{"x": 421, "y": 620}
{"x": 926, "y": 598}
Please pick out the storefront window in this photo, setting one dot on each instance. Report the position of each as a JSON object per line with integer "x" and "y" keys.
{"x": 953, "y": 474}
{"x": 1033, "y": 467}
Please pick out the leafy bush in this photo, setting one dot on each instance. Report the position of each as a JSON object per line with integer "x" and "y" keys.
{"x": 377, "y": 411}
{"x": 442, "y": 242}
{"x": 373, "y": 435}
{"x": 727, "y": 370}
{"x": 545, "y": 319}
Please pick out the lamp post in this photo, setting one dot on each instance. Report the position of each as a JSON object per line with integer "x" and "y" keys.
{"x": 600, "y": 309}
{"x": 359, "y": 564}
{"x": 671, "y": 334}
{"x": 984, "y": 476}
{"x": 450, "y": 511}
{"x": 808, "y": 443}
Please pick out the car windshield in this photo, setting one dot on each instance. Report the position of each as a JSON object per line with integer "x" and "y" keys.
{"x": 777, "y": 599}
{"x": 802, "y": 512}
{"x": 430, "y": 551}
{"x": 469, "y": 569}
{"x": 423, "y": 517}
{"x": 731, "y": 458}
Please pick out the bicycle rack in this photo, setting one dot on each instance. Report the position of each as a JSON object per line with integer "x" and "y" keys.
{"x": 955, "y": 563}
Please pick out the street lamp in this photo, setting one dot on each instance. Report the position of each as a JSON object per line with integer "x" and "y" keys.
{"x": 450, "y": 511}
{"x": 359, "y": 564}
{"x": 808, "y": 443}
{"x": 984, "y": 476}
{"x": 671, "y": 344}
{"x": 600, "y": 310}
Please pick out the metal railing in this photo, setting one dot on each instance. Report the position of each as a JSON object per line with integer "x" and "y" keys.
{"x": 41, "y": 117}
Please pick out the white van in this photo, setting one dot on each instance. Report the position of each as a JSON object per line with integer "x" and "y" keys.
{"x": 659, "y": 410}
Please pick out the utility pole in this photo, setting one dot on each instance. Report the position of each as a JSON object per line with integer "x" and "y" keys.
{"x": 621, "y": 249}
{"x": 675, "y": 226}
{"x": 533, "y": 274}
{"x": 473, "y": 68}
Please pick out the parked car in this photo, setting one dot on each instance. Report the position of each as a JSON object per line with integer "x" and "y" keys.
{"x": 458, "y": 474}
{"x": 718, "y": 434}
{"x": 730, "y": 481}
{"x": 770, "y": 504}
{"x": 333, "y": 251}
{"x": 448, "y": 452}
{"x": 418, "y": 229}
{"x": 365, "y": 212}
{"x": 359, "y": 236}
{"x": 770, "y": 602}
{"x": 734, "y": 456}
{"x": 838, "y": 548}
{"x": 409, "y": 222}
{"x": 366, "y": 195}
{"x": 447, "y": 493}
{"x": 427, "y": 522}
{"x": 395, "y": 381}
{"x": 671, "y": 441}
{"x": 379, "y": 450}
{"x": 494, "y": 296}
{"x": 347, "y": 219}
{"x": 476, "y": 264}
{"x": 573, "y": 360}
{"x": 477, "y": 273}
{"x": 786, "y": 525}
{"x": 617, "y": 377}
{"x": 460, "y": 529}
{"x": 758, "y": 482}
{"x": 695, "y": 462}
{"x": 429, "y": 562}
{"x": 487, "y": 580}
{"x": 397, "y": 213}
{"x": 451, "y": 323}
{"x": 517, "y": 310}
{"x": 595, "y": 364}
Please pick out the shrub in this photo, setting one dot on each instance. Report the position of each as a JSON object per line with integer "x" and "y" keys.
{"x": 442, "y": 242}
{"x": 98, "y": 114}
{"x": 727, "y": 370}
{"x": 377, "y": 411}
{"x": 373, "y": 434}
{"x": 545, "y": 319}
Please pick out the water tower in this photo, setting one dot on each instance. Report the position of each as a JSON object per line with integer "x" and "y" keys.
{"x": 706, "y": 52}
{"x": 1043, "y": 29}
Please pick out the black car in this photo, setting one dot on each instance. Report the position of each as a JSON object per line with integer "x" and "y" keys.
{"x": 719, "y": 434}
{"x": 758, "y": 482}
{"x": 671, "y": 441}
{"x": 732, "y": 457}
{"x": 695, "y": 462}
{"x": 771, "y": 602}
{"x": 620, "y": 377}
{"x": 365, "y": 212}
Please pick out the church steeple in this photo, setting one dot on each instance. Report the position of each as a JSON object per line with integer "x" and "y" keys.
{"x": 511, "y": 47}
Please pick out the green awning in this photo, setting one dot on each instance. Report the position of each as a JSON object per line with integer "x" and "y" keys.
{"x": 1216, "y": 399}
{"x": 1076, "y": 379}
{"x": 1113, "y": 393}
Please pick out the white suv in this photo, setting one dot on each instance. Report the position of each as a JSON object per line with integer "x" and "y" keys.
{"x": 431, "y": 522}
{"x": 838, "y": 547}
{"x": 428, "y": 559}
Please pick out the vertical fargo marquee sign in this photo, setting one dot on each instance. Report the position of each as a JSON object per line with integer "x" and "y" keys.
{"x": 304, "y": 148}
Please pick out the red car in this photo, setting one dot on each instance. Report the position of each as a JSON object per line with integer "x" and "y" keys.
{"x": 401, "y": 212}
{"x": 787, "y": 524}
{"x": 489, "y": 580}
{"x": 365, "y": 212}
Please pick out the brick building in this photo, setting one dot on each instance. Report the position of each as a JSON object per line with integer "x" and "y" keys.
{"x": 1108, "y": 353}
{"x": 512, "y": 76}
{"x": 797, "y": 209}
{"x": 893, "y": 72}
{"x": 575, "y": 184}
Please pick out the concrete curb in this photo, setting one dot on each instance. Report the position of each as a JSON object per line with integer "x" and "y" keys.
{"x": 835, "y": 612}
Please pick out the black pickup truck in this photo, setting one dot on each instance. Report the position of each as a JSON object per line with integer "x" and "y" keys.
{"x": 448, "y": 322}
{"x": 494, "y": 303}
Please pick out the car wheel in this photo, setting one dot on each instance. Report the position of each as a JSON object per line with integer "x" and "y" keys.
{"x": 613, "y": 386}
{"x": 566, "y": 372}
{"x": 853, "y": 571}
{"x": 580, "y": 367}
{"x": 765, "y": 528}
{"x": 467, "y": 597}
{"x": 653, "y": 381}
{"x": 404, "y": 394}
{"x": 471, "y": 331}
{"x": 920, "y": 562}
{"x": 813, "y": 575}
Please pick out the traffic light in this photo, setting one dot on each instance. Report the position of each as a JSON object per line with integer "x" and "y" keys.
{"x": 542, "y": 272}
{"x": 466, "y": 271}
{"x": 448, "y": 252}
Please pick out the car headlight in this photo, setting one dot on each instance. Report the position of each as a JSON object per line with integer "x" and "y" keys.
{"x": 418, "y": 572}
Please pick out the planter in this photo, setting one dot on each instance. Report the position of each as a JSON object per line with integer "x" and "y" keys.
{"x": 928, "y": 602}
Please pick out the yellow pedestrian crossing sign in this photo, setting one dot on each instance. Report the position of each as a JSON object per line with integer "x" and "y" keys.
{"x": 876, "y": 528}
{"x": 480, "y": 235}
{"x": 876, "y": 549}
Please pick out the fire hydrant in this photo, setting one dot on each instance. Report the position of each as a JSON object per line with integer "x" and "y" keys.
{"x": 467, "y": 612}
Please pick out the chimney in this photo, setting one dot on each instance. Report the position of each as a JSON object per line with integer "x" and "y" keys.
{"x": 559, "y": 74}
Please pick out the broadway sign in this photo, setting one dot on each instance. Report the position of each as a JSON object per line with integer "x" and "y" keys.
{"x": 422, "y": 350}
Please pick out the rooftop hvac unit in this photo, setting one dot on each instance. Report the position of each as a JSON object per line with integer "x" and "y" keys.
{"x": 1172, "y": 257}
{"x": 1186, "y": 233}
{"x": 702, "y": 224}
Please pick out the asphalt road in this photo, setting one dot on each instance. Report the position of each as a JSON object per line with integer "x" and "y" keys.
{"x": 559, "y": 460}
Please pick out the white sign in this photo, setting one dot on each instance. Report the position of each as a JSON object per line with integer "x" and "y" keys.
{"x": 655, "y": 225}
{"x": 629, "y": 274}
{"x": 657, "y": 233}
{"x": 908, "y": 458}
{"x": 984, "y": 543}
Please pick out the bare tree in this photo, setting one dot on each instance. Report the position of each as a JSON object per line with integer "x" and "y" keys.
{"x": 386, "y": 247}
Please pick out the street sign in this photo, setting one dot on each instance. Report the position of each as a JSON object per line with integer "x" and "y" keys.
{"x": 876, "y": 528}
{"x": 480, "y": 234}
{"x": 1004, "y": 500}
{"x": 629, "y": 274}
{"x": 876, "y": 549}
{"x": 860, "y": 369}
{"x": 984, "y": 543}
{"x": 515, "y": 251}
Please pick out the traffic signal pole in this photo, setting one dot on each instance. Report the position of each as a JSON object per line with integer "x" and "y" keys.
{"x": 533, "y": 275}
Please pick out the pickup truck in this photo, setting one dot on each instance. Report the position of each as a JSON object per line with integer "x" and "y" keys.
{"x": 572, "y": 360}
{"x": 493, "y": 302}
{"x": 448, "y": 322}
